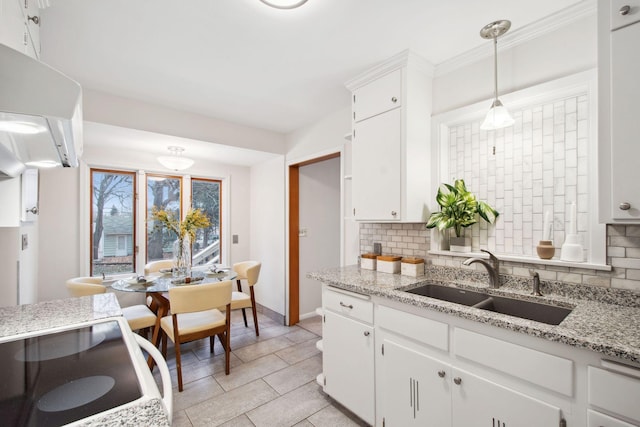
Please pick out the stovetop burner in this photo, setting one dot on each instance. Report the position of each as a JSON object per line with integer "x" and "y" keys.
{"x": 55, "y": 379}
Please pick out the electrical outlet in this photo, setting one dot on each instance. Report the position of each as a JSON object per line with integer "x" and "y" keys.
{"x": 25, "y": 241}
{"x": 234, "y": 238}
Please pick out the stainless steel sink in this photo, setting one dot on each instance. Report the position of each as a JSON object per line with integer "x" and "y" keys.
{"x": 446, "y": 293}
{"x": 544, "y": 313}
{"x": 539, "y": 312}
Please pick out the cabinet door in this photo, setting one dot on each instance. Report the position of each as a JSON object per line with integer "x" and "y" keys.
{"x": 596, "y": 419}
{"x": 625, "y": 125}
{"x": 32, "y": 28}
{"x": 347, "y": 359}
{"x": 479, "y": 402}
{"x": 12, "y": 27}
{"x": 413, "y": 389}
{"x": 376, "y": 167}
{"x": 378, "y": 96}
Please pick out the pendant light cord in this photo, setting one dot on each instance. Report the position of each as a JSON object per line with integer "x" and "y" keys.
{"x": 495, "y": 68}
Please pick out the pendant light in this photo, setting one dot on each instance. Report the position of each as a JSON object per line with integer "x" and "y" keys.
{"x": 498, "y": 116}
{"x": 284, "y": 4}
{"x": 175, "y": 161}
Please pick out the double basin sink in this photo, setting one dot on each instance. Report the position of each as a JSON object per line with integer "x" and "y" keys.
{"x": 539, "y": 312}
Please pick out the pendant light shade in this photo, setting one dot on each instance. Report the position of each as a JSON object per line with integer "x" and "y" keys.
{"x": 498, "y": 116}
{"x": 175, "y": 161}
{"x": 284, "y": 4}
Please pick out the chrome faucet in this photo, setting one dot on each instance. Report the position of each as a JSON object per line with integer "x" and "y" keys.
{"x": 536, "y": 283}
{"x": 493, "y": 268}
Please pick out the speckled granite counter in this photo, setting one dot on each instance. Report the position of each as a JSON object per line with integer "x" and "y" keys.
{"x": 606, "y": 321}
{"x": 25, "y": 319}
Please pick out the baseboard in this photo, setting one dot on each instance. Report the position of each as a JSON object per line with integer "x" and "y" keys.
{"x": 273, "y": 315}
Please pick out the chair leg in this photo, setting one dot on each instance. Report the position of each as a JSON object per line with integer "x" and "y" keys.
{"x": 211, "y": 344}
{"x": 178, "y": 363}
{"x": 255, "y": 314}
{"x": 227, "y": 344}
{"x": 244, "y": 316}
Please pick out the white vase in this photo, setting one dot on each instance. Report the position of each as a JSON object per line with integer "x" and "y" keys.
{"x": 459, "y": 244}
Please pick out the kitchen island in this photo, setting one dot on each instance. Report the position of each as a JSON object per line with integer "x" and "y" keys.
{"x": 427, "y": 360}
{"x": 96, "y": 311}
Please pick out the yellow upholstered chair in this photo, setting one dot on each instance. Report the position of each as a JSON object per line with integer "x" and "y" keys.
{"x": 194, "y": 315}
{"x": 139, "y": 316}
{"x": 249, "y": 271}
{"x": 156, "y": 266}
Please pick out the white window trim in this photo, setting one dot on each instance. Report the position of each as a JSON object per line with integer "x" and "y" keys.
{"x": 579, "y": 83}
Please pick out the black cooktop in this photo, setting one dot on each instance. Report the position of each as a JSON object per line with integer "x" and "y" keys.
{"x": 57, "y": 378}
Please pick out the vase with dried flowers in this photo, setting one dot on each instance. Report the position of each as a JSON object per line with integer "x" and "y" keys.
{"x": 186, "y": 233}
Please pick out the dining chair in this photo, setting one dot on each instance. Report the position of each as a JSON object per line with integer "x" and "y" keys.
{"x": 140, "y": 317}
{"x": 249, "y": 271}
{"x": 156, "y": 266}
{"x": 194, "y": 315}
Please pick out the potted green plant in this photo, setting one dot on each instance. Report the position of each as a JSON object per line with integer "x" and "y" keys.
{"x": 459, "y": 208}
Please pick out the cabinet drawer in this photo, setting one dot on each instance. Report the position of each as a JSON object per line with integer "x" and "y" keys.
{"x": 596, "y": 419}
{"x": 618, "y": 7}
{"x": 427, "y": 331}
{"x": 348, "y": 304}
{"x": 546, "y": 370}
{"x": 381, "y": 95}
{"x": 614, "y": 392}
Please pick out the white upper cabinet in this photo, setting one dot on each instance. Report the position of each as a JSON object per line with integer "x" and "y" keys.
{"x": 619, "y": 127}
{"x": 20, "y": 26}
{"x": 381, "y": 95}
{"x": 390, "y": 144}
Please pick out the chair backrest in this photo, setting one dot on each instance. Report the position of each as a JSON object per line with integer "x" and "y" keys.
{"x": 155, "y": 266}
{"x": 192, "y": 298}
{"x": 81, "y": 286}
{"x": 249, "y": 270}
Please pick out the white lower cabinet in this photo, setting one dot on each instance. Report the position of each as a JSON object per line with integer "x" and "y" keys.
{"x": 479, "y": 402}
{"x": 347, "y": 359}
{"x": 413, "y": 388}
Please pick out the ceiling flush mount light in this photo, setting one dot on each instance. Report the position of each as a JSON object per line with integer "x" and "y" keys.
{"x": 498, "y": 116}
{"x": 175, "y": 161}
{"x": 284, "y": 4}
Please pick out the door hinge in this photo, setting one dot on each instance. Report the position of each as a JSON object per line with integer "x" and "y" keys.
{"x": 354, "y": 211}
{"x": 563, "y": 422}
{"x": 383, "y": 421}
{"x": 324, "y": 380}
{"x": 383, "y": 349}
{"x": 137, "y": 249}
{"x": 354, "y": 134}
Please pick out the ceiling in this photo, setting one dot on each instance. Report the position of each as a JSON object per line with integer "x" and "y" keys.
{"x": 244, "y": 62}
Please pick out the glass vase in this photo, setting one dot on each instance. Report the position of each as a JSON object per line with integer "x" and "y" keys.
{"x": 182, "y": 257}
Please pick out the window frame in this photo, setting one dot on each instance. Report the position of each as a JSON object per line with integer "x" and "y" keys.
{"x": 134, "y": 211}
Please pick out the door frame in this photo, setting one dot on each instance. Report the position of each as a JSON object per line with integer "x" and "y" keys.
{"x": 294, "y": 239}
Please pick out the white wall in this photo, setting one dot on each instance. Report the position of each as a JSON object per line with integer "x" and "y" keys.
{"x": 550, "y": 56}
{"x": 59, "y": 227}
{"x": 319, "y": 187}
{"x": 326, "y": 134}
{"x": 267, "y": 231}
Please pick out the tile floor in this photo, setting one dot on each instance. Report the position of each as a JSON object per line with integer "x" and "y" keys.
{"x": 272, "y": 380}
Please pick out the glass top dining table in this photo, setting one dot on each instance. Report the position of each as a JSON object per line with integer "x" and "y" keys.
{"x": 158, "y": 284}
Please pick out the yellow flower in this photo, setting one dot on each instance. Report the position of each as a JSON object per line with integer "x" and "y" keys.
{"x": 194, "y": 220}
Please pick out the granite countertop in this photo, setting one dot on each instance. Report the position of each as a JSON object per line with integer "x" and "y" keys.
{"x": 603, "y": 320}
{"x": 24, "y": 319}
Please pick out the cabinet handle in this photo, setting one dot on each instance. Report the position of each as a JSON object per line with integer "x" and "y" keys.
{"x": 624, "y": 10}
{"x": 394, "y": 213}
{"x": 394, "y": 99}
{"x": 624, "y": 206}
{"x": 457, "y": 380}
{"x": 345, "y": 305}
{"x": 33, "y": 210}
{"x": 441, "y": 374}
{"x": 35, "y": 19}
{"x": 367, "y": 333}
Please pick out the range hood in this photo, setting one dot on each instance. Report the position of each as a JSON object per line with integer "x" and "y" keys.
{"x": 46, "y": 105}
